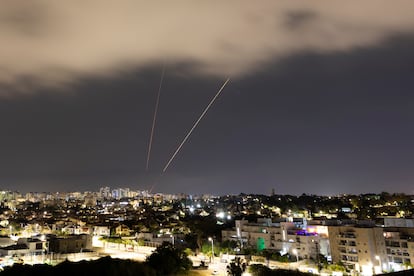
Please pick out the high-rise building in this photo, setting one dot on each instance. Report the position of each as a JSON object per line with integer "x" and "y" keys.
{"x": 105, "y": 192}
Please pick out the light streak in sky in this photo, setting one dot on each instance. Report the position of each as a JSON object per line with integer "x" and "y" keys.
{"x": 154, "y": 118}
{"x": 195, "y": 125}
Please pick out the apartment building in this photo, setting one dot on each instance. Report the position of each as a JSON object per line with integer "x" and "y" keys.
{"x": 362, "y": 246}
{"x": 399, "y": 242}
{"x": 360, "y": 249}
{"x": 289, "y": 236}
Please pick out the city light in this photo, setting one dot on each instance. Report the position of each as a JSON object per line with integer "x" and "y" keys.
{"x": 212, "y": 249}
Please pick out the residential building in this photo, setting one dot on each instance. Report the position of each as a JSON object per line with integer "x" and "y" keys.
{"x": 361, "y": 249}
{"x": 399, "y": 242}
{"x": 70, "y": 244}
{"x": 288, "y": 236}
{"x": 25, "y": 246}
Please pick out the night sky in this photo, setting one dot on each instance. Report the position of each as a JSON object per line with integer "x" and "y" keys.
{"x": 320, "y": 98}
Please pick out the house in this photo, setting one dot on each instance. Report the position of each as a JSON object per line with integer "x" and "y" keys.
{"x": 25, "y": 246}
{"x": 70, "y": 244}
{"x": 122, "y": 230}
{"x": 101, "y": 230}
{"x": 14, "y": 250}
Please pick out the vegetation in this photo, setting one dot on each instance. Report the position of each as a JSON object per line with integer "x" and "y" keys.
{"x": 236, "y": 267}
{"x": 103, "y": 267}
{"x": 407, "y": 265}
{"x": 169, "y": 260}
{"x": 261, "y": 270}
{"x": 336, "y": 267}
{"x": 166, "y": 260}
{"x": 275, "y": 255}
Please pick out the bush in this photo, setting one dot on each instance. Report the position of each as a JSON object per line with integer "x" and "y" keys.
{"x": 103, "y": 267}
{"x": 169, "y": 260}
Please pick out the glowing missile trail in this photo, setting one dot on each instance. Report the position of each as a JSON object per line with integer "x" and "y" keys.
{"x": 195, "y": 124}
{"x": 154, "y": 118}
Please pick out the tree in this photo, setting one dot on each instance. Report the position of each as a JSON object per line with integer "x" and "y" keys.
{"x": 206, "y": 249}
{"x": 236, "y": 268}
{"x": 169, "y": 260}
{"x": 407, "y": 265}
{"x": 104, "y": 267}
{"x": 188, "y": 251}
{"x": 259, "y": 270}
{"x": 322, "y": 262}
{"x": 228, "y": 246}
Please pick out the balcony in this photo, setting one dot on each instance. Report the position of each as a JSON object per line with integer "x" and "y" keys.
{"x": 349, "y": 259}
{"x": 392, "y": 244}
{"x": 347, "y": 235}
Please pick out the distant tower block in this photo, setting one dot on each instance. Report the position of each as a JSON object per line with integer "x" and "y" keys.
{"x": 273, "y": 192}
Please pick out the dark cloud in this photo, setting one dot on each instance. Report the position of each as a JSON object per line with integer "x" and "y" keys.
{"x": 320, "y": 98}
{"x": 51, "y": 44}
{"x": 317, "y": 123}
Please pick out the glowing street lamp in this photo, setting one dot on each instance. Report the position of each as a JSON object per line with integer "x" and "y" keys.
{"x": 172, "y": 239}
{"x": 212, "y": 249}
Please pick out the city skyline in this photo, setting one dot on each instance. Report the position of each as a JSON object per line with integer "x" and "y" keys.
{"x": 319, "y": 99}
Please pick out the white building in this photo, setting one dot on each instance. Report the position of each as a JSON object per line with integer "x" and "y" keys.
{"x": 294, "y": 237}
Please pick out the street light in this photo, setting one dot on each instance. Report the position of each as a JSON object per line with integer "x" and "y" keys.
{"x": 212, "y": 249}
{"x": 295, "y": 251}
{"x": 172, "y": 239}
